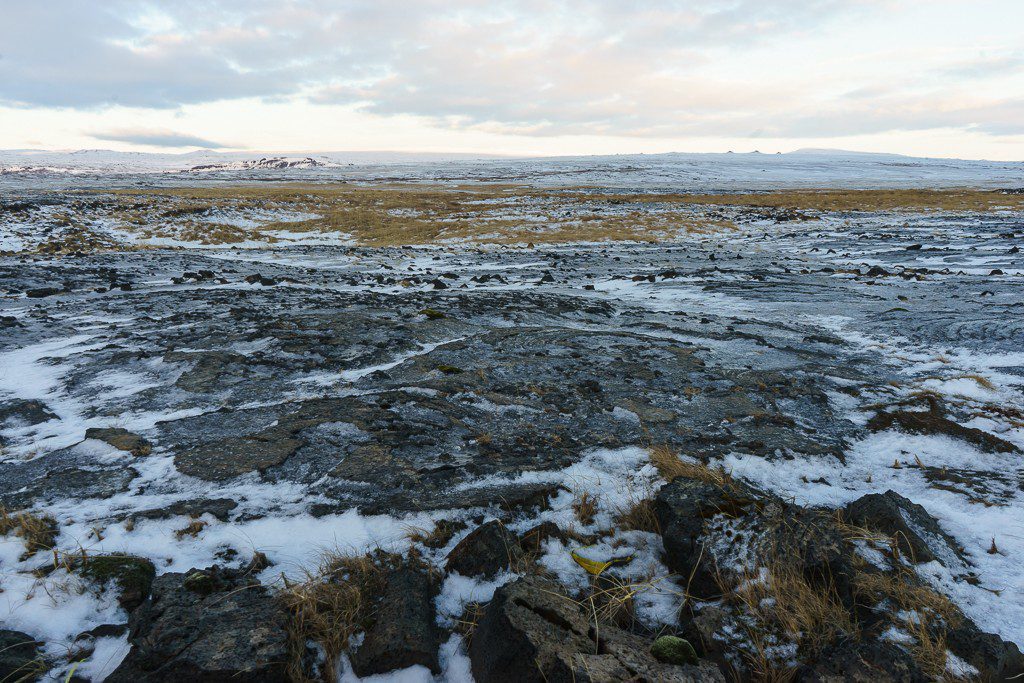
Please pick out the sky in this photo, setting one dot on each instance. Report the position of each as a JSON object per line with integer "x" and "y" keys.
{"x": 539, "y": 77}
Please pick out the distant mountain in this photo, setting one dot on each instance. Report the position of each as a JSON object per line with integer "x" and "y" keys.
{"x": 264, "y": 163}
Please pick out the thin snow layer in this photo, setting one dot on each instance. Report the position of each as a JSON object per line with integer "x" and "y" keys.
{"x": 616, "y": 479}
{"x": 898, "y": 461}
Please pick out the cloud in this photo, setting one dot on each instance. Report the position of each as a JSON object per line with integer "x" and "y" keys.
{"x": 157, "y": 138}
{"x": 662, "y": 68}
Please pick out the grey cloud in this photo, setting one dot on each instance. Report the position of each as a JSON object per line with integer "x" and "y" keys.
{"x": 158, "y": 138}
{"x": 532, "y": 67}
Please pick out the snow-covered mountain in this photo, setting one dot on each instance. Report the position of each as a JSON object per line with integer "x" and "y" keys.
{"x": 729, "y": 171}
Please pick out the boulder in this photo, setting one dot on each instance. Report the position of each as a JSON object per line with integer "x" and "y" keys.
{"x": 220, "y": 627}
{"x": 994, "y": 658}
{"x": 19, "y": 658}
{"x": 682, "y": 507}
{"x": 132, "y": 576}
{"x": 707, "y": 526}
{"x": 917, "y": 534}
{"x": 404, "y": 632}
{"x": 530, "y": 633}
{"x": 865, "y": 662}
{"x": 121, "y": 439}
{"x": 487, "y": 550}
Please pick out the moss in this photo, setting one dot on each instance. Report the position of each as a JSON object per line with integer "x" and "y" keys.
{"x": 449, "y": 369}
{"x": 127, "y": 571}
{"x": 673, "y": 650}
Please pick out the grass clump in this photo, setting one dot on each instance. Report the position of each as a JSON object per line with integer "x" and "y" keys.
{"x": 334, "y": 603}
{"x": 778, "y": 604}
{"x": 37, "y": 532}
{"x": 932, "y": 613}
{"x": 585, "y": 508}
{"x": 669, "y": 466}
{"x": 638, "y": 515}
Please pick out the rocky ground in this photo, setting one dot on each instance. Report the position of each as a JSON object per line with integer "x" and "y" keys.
{"x": 793, "y": 442}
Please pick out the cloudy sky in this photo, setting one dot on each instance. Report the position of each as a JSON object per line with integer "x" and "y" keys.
{"x": 929, "y": 77}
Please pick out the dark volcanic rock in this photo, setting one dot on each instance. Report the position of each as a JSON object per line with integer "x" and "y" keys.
{"x": 19, "y": 659}
{"x": 485, "y": 551}
{"x": 529, "y": 633}
{"x": 994, "y": 658}
{"x": 682, "y": 506}
{"x": 231, "y": 630}
{"x": 220, "y": 508}
{"x": 916, "y": 532}
{"x": 25, "y": 412}
{"x": 703, "y": 523}
{"x": 872, "y": 662}
{"x": 404, "y": 631}
{"x": 132, "y": 576}
{"x": 121, "y": 439}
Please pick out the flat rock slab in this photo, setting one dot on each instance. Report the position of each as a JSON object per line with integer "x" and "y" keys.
{"x": 206, "y": 625}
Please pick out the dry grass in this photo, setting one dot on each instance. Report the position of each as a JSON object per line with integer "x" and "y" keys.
{"x": 851, "y": 200}
{"x": 328, "y": 608}
{"x": 466, "y": 625}
{"x": 638, "y": 516}
{"x": 37, "y": 532}
{"x": 778, "y": 604}
{"x": 585, "y": 507}
{"x": 194, "y": 528}
{"x": 438, "y": 537}
{"x": 390, "y": 215}
{"x": 670, "y": 466}
{"x": 934, "y": 612}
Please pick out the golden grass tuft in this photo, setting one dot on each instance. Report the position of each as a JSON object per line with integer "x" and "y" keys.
{"x": 328, "y": 608}
{"x": 778, "y": 603}
{"x": 585, "y": 507}
{"x": 37, "y": 532}
{"x": 934, "y": 612}
{"x": 670, "y": 466}
{"x": 638, "y": 515}
{"x": 194, "y": 528}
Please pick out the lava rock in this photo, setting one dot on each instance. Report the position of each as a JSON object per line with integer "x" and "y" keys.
{"x": 234, "y": 631}
{"x": 917, "y": 533}
{"x": 404, "y": 632}
{"x": 133, "y": 576}
{"x": 682, "y": 506}
{"x": 487, "y": 550}
{"x": 530, "y": 633}
{"x": 25, "y": 412}
{"x": 867, "y": 662}
{"x": 19, "y": 660}
{"x": 219, "y": 508}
